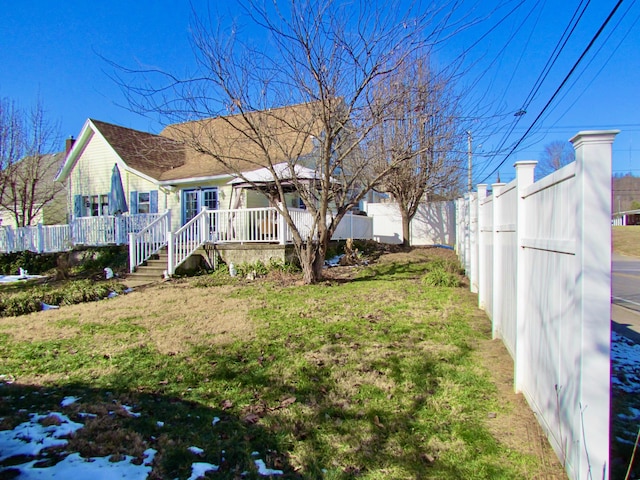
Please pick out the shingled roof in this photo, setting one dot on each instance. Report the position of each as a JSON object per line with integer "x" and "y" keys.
{"x": 285, "y": 133}
{"x": 147, "y": 153}
{"x": 210, "y": 147}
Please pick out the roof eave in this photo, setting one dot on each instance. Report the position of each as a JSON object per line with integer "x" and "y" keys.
{"x": 72, "y": 156}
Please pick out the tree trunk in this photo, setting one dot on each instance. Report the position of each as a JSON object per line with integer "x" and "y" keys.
{"x": 406, "y": 235}
{"x": 312, "y": 256}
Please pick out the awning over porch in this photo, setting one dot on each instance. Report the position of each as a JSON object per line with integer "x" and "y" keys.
{"x": 263, "y": 176}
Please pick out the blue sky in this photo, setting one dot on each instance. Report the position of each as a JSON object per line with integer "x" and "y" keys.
{"x": 54, "y": 49}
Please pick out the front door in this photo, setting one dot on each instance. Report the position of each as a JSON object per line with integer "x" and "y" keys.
{"x": 194, "y": 199}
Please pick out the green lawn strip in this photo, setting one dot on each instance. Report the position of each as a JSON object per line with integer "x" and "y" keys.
{"x": 370, "y": 379}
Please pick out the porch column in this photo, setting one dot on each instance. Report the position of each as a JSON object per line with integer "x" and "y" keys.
{"x": 281, "y": 225}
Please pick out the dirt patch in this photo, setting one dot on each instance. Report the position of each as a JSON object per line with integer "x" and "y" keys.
{"x": 516, "y": 426}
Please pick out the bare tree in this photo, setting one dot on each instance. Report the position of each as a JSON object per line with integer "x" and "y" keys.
{"x": 326, "y": 57}
{"x": 555, "y": 155}
{"x": 27, "y": 162}
{"x": 417, "y": 144}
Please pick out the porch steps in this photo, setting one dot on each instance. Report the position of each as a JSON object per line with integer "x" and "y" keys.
{"x": 151, "y": 271}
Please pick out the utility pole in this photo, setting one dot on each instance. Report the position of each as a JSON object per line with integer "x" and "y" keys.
{"x": 469, "y": 183}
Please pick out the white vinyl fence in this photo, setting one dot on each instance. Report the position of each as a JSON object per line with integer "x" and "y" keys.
{"x": 543, "y": 276}
{"x": 433, "y": 223}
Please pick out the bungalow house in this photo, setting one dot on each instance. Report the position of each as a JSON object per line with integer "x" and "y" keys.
{"x": 172, "y": 171}
{"x": 213, "y": 168}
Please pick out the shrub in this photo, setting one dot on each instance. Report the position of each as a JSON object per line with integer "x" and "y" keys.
{"x": 34, "y": 263}
{"x": 97, "y": 259}
{"x": 441, "y": 278}
{"x": 446, "y": 264}
{"x": 71, "y": 293}
{"x": 443, "y": 272}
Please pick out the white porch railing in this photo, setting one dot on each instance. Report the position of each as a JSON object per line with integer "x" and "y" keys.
{"x": 149, "y": 240}
{"x": 88, "y": 231}
{"x": 109, "y": 230}
{"x": 252, "y": 225}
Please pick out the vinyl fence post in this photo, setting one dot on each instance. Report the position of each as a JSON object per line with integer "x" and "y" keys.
{"x": 524, "y": 177}
{"x": 593, "y": 296}
{"x": 473, "y": 241}
{"x": 482, "y": 259}
{"x": 498, "y": 259}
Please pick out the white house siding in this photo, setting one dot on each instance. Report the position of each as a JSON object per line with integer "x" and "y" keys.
{"x": 433, "y": 224}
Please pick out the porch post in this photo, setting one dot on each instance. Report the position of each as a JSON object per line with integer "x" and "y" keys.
{"x": 132, "y": 252}
{"x": 281, "y": 225}
{"x": 40, "y": 238}
{"x": 10, "y": 239}
{"x": 170, "y": 253}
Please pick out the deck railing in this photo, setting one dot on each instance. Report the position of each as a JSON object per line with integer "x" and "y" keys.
{"x": 87, "y": 231}
{"x": 149, "y": 240}
{"x": 252, "y": 225}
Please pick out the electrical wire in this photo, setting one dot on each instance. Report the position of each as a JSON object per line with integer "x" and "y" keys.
{"x": 555, "y": 94}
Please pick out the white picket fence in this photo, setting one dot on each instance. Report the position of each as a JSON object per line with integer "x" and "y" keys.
{"x": 539, "y": 257}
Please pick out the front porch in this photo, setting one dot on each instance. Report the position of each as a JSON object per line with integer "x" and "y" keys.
{"x": 231, "y": 233}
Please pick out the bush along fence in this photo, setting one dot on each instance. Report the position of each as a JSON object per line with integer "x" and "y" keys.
{"x": 539, "y": 257}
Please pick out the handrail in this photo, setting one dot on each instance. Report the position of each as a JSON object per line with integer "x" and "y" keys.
{"x": 148, "y": 241}
{"x": 186, "y": 240}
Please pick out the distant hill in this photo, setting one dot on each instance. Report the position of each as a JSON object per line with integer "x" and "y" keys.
{"x": 625, "y": 190}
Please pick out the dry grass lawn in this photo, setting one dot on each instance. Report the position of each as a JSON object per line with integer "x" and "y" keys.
{"x": 626, "y": 240}
{"x": 370, "y": 374}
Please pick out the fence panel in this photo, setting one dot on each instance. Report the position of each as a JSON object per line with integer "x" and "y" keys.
{"x": 505, "y": 266}
{"x": 544, "y": 278}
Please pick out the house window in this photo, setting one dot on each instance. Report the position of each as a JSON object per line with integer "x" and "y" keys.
{"x": 95, "y": 205}
{"x": 144, "y": 202}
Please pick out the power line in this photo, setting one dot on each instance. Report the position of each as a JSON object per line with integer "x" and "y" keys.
{"x": 566, "y": 78}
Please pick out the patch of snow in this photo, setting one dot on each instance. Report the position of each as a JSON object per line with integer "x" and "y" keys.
{"x": 87, "y": 415}
{"x": 196, "y": 450}
{"x": 198, "y": 469}
{"x": 160, "y": 424}
{"x": 46, "y": 306}
{"x": 75, "y": 466}
{"x": 215, "y": 420}
{"x": 30, "y": 438}
{"x": 130, "y": 411}
{"x": 149, "y": 454}
{"x": 112, "y": 295}
{"x": 66, "y": 401}
{"x": 17, "y": 278}
{"x": 625, "y": 360}
{"x": 263, "y": 470}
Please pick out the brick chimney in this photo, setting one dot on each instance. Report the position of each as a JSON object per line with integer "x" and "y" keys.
{"x": 68, "y": 144}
